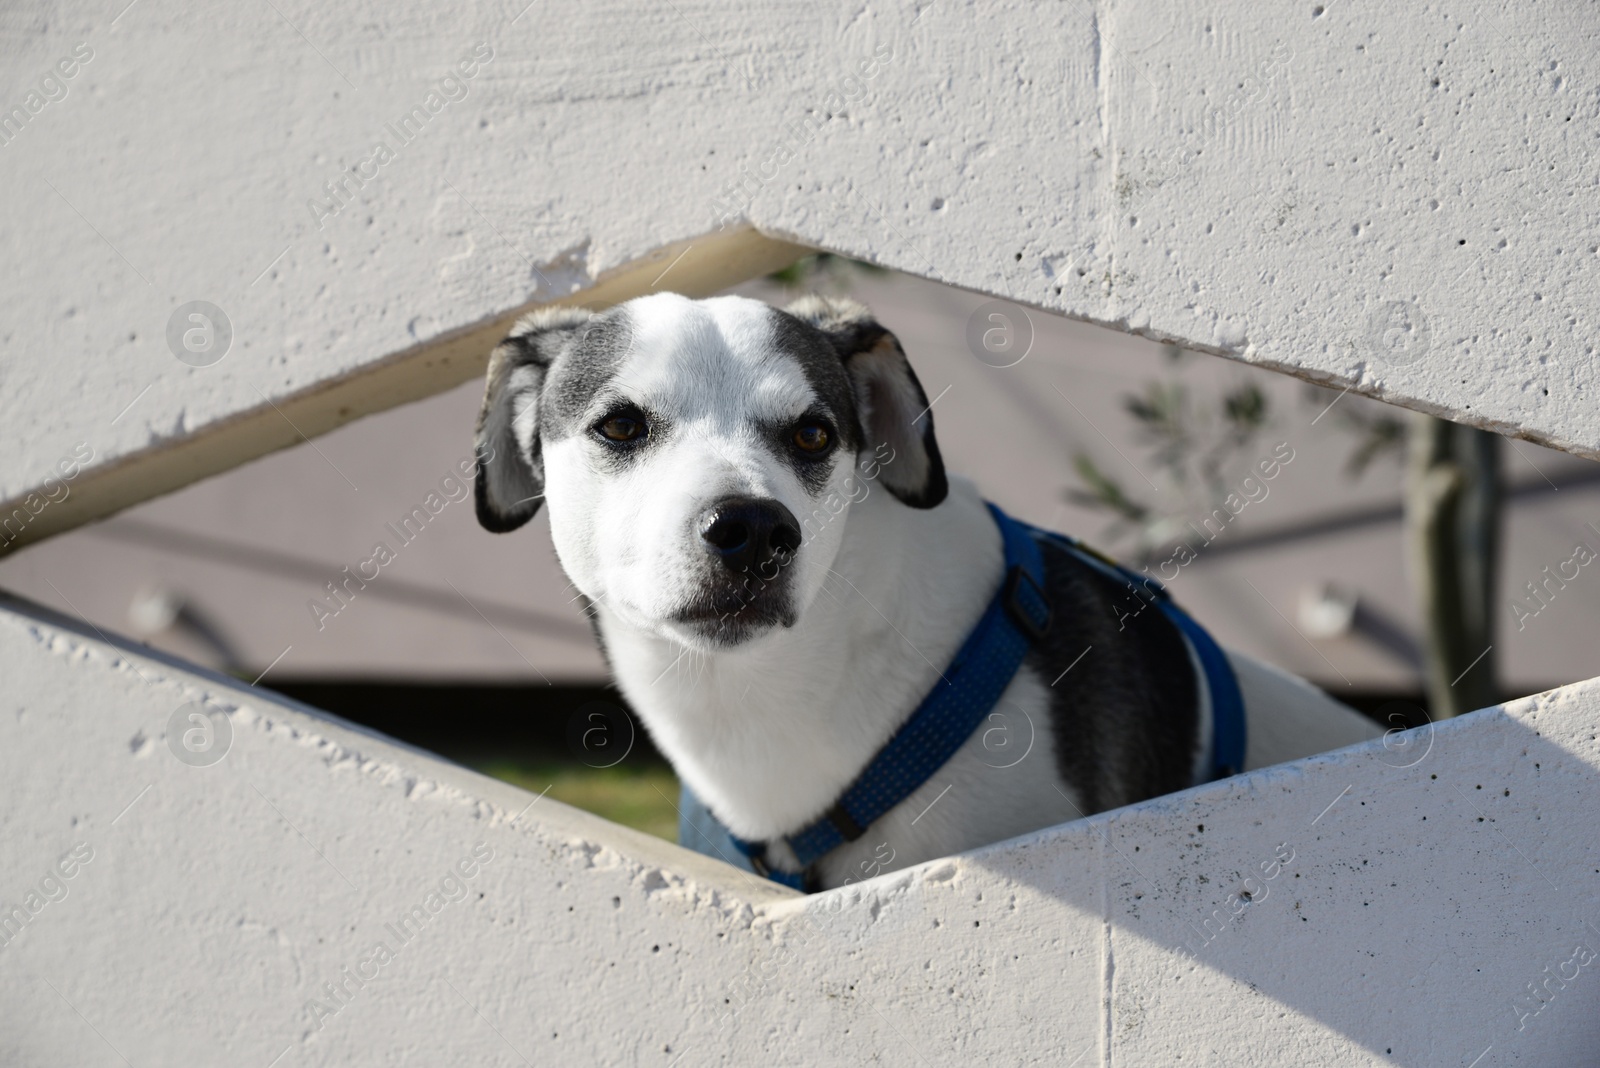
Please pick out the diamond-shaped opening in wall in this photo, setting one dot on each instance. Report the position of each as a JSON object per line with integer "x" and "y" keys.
{"x": 352, "y": 573}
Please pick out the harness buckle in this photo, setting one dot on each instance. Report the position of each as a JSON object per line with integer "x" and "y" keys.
{"x": 1035, "y": 621}
{"x": 805, "y": 881}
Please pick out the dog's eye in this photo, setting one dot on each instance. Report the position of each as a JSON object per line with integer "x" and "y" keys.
{"x": 623, "y": 426}
{"x": 811, "y": 437}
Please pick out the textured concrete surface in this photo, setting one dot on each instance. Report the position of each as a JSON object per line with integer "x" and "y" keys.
{"x": 1403, "y": 203}
{"x": 1426, "y": 901}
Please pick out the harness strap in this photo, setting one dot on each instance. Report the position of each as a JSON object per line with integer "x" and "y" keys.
{"x": 1017, "y": 617}
{"x": 967, "y": 691}
{"x": 1227, "y": 704}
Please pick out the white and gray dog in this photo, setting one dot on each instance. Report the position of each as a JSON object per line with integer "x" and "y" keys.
{"x": 754, "y": 505}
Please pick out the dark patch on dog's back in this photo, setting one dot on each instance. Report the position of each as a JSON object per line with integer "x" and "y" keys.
{"x": 1124, "y": 717}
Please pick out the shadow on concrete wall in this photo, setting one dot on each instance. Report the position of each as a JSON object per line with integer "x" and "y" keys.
{"x": 1304, "y": 905}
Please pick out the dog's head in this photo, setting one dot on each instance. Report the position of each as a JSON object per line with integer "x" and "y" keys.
{"x": 698, "y": 456}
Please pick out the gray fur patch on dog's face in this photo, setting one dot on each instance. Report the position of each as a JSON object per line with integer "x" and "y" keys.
{"x": 583, "y": 371}
{"x": 823, "y": 369}
{"x": 893, "y": 411}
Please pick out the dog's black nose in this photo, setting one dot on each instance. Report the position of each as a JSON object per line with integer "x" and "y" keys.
{"x": 750, "y": 533}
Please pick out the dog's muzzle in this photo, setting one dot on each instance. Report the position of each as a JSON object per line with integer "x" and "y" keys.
{"x": 750, "y": 535}
{"x": 744, "y": 589}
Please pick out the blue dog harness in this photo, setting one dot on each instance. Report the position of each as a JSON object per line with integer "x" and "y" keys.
{"x": 1017, "y": 617}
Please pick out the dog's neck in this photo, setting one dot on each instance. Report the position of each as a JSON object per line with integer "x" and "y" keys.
{"x": 770, "y": 734}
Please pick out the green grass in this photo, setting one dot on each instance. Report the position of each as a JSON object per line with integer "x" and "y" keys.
{"x": 641, "y": 795}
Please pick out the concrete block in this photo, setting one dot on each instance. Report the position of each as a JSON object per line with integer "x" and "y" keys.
{"x": 1429, "y": 898}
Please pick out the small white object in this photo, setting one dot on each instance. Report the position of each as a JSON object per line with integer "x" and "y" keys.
{"x": 154, "y": 609}
{"x": 1328, "y": 610}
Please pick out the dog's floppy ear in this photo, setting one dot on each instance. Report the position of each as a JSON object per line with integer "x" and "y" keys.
{"x": 510, "y": 480}
{"x": 893, "y": 409}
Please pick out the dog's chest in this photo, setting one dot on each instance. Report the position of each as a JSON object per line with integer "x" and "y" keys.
{"x": 1002, "y": 782}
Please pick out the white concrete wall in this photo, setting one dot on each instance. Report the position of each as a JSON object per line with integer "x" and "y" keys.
{"x": 1404, "y": 900}
{"x": 1299, "y": 185}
